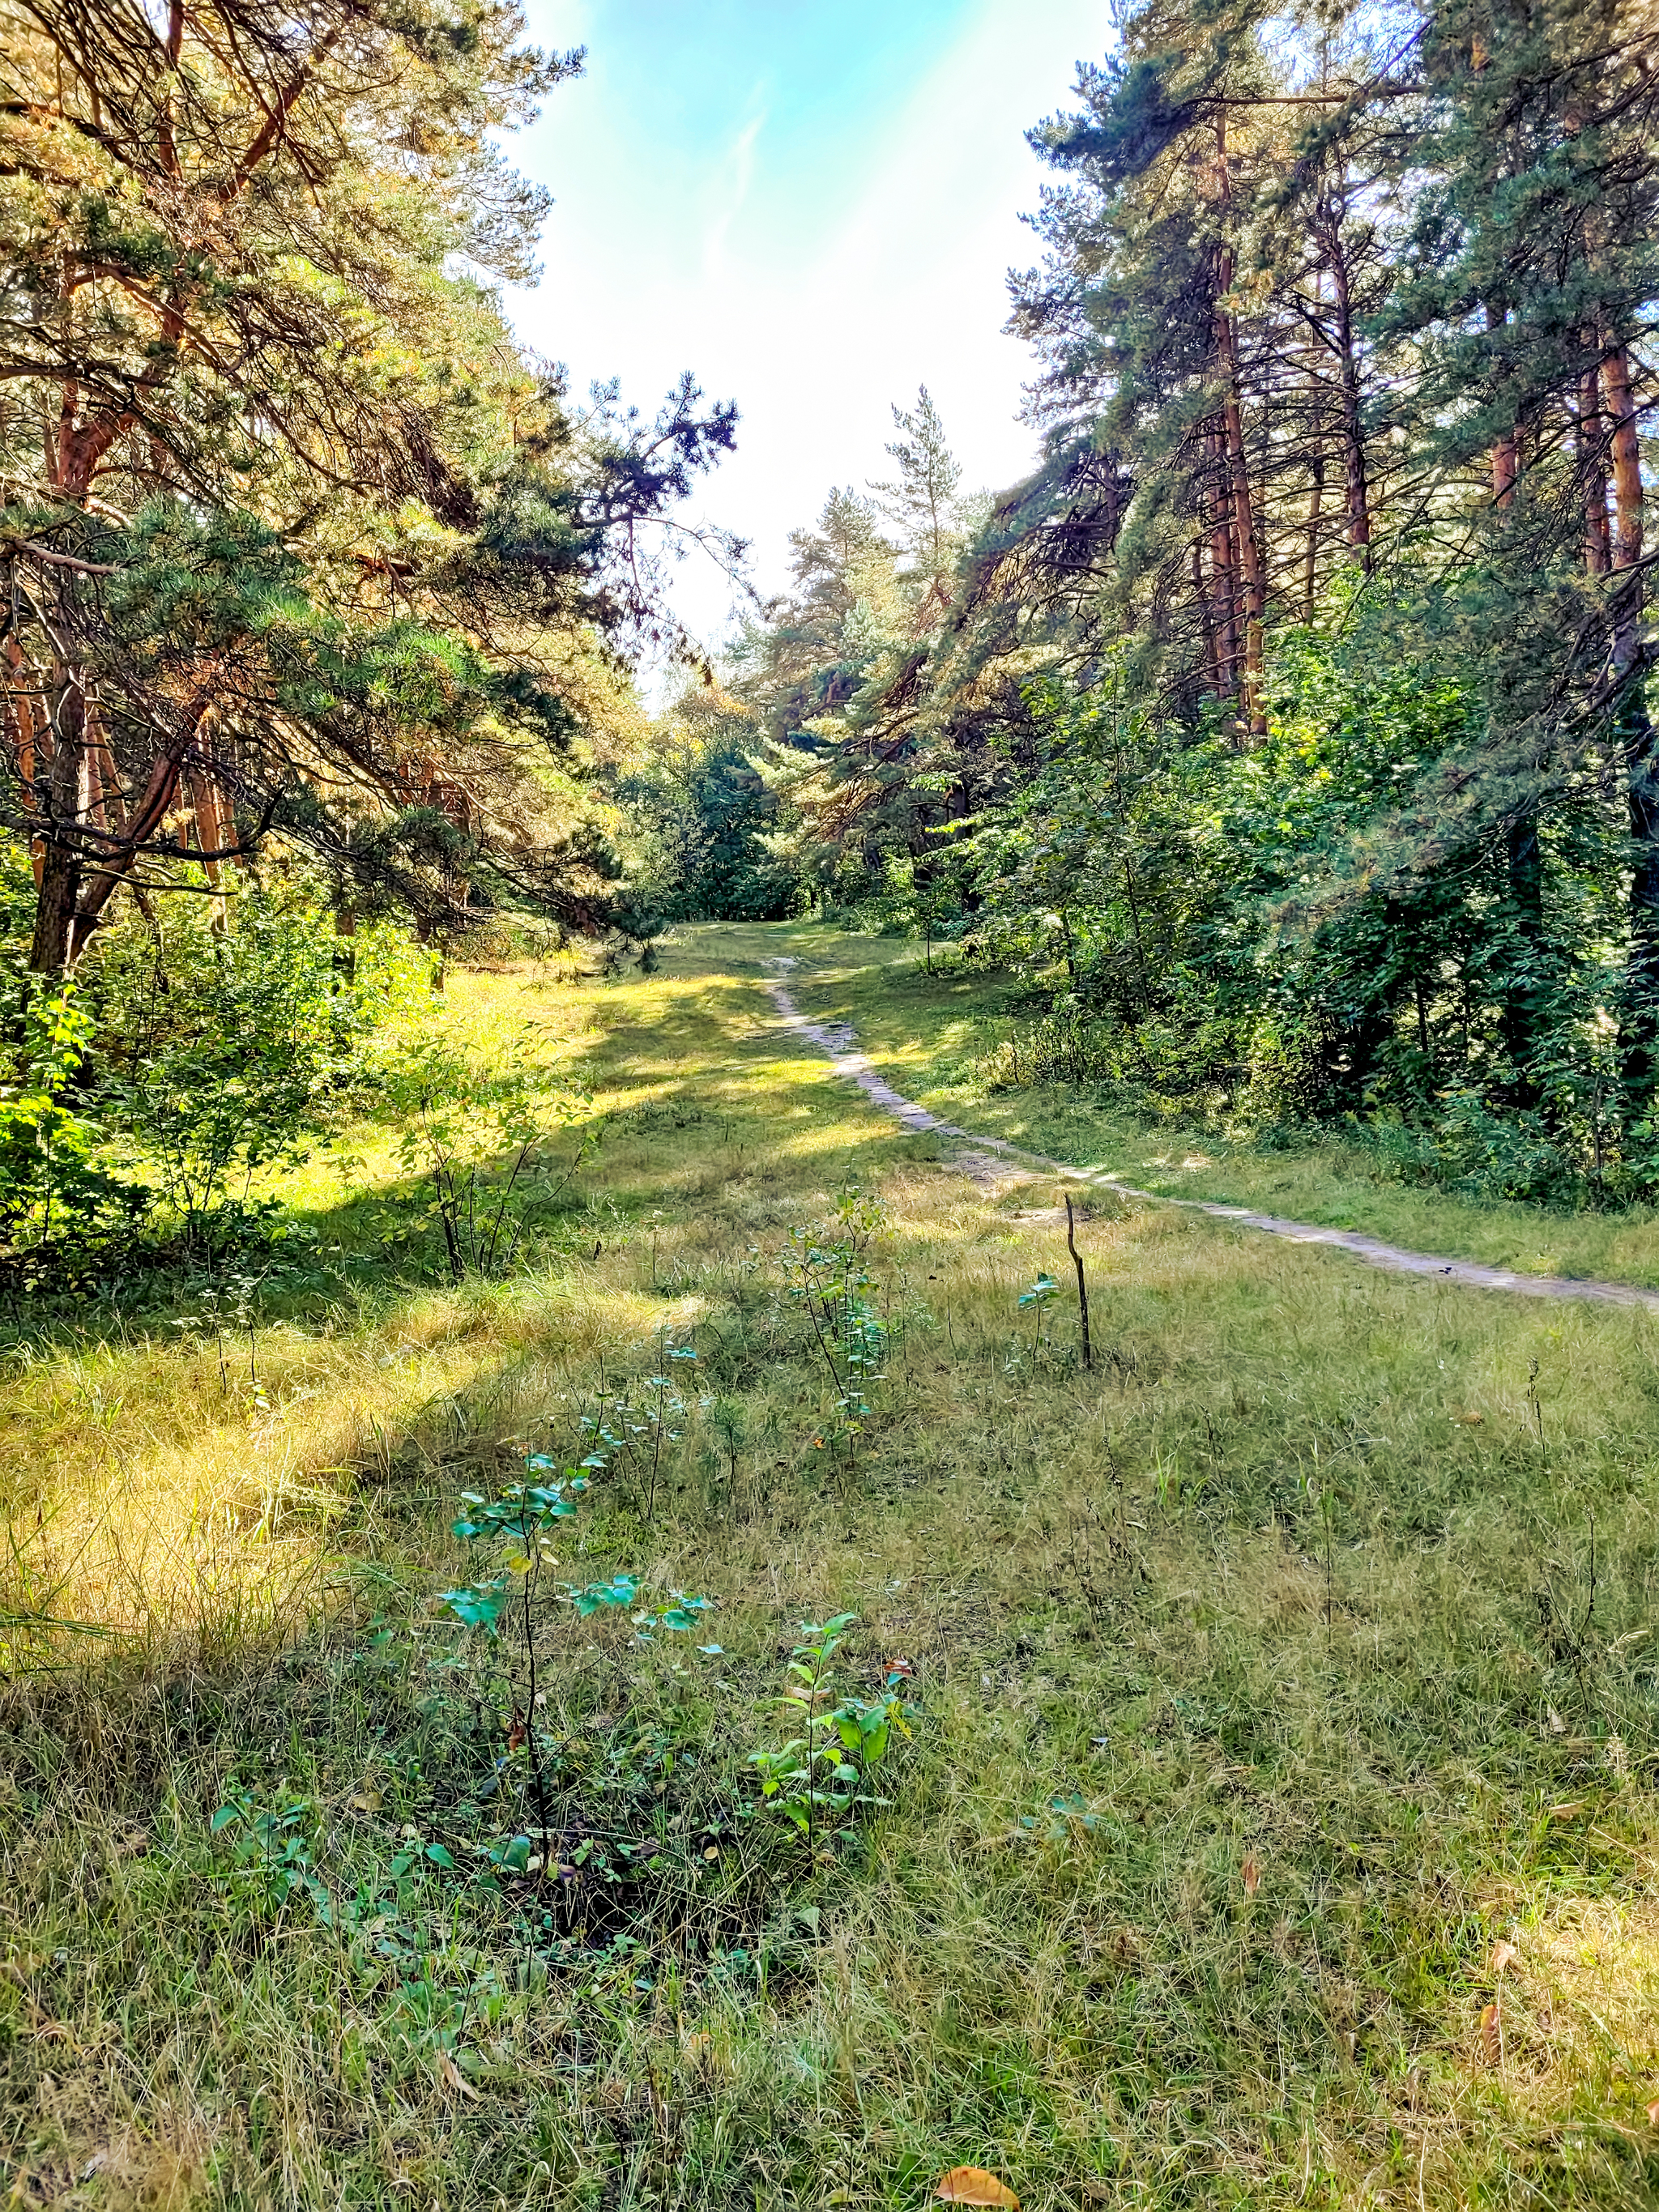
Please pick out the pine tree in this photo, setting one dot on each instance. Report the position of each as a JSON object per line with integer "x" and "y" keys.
{"x": 296, "y": 541}
{"x": 922, "y": 501}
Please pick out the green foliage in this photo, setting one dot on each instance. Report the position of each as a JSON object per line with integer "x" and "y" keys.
{"x": 816, "y": 1779}
{"x": 224, "y": 1038}
{"x": 64, "y": 1214}
{"x": 827, "y": 1274}
{"x": 485, "y": 1146}
{"x": 1286, "y": 732}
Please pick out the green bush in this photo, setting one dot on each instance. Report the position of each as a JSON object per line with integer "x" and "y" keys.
{"x": 218, "y": 1049}
{"x": 64, "y": 1214}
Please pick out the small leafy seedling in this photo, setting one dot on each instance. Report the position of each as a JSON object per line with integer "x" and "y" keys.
{"x": 522, "y": 1519}
{"x": 1036, "y": 1296}
{"x": 820, "y": 1776}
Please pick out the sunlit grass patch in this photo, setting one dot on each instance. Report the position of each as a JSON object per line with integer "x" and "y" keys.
{"x": 1264, "y": 1678}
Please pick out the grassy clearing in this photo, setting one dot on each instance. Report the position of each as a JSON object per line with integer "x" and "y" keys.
{"x": 928, "y": 1034}
{"x": 1265, "y": 1680}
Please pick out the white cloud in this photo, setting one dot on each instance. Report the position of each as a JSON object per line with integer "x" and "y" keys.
{"x": 814, "y": 317}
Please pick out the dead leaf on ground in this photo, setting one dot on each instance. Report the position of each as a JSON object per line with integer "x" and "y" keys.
{"x": 972, "y": 2184}
{"x": 1503, "y": 1955}
{"x": 1252, "y": 1872}
{"x": 449, "y": 2072}
{"x": 1491, "y": 2031}
{"x": 1653, "y": 2114}
{"x": 1470, "y": 1420}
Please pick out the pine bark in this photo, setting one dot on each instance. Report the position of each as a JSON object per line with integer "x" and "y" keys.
{"x": 1592, "y": 473}
{"x": 1253, "y": 595}
{"x": 1351, "y": 422}
{"x": 1639, "y": 1031}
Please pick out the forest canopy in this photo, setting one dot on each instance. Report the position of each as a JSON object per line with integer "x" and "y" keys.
{"x": 300, "y": 542}
{"x": 1288, "y": 729}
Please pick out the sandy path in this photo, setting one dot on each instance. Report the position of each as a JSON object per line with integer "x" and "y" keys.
{"x": 840, "y": 1044}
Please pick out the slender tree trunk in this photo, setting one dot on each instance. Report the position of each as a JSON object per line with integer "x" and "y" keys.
{"x": 54, "y": 910}
{"x": 1222, "y": 571}
{"x": 1352, "y": 425}
{"x": 1505, "y": 454}
{"x": 1505, "y": 467}
{"x": 1639, "y": 1033}
{"x": 1251, "y": 569}
{"x": 1593, "y": 472}
{"x": 1523, "y": 993}
{"x": 1310, "y": 555}
{"x": 60, "y": 795}
{"x": 1253, "y": 595}
{"x": 215, "y": 834}
{"x": 1626, "y": 455}
{"x": 1201, "y": 600}
{"x": 24, "y": 731}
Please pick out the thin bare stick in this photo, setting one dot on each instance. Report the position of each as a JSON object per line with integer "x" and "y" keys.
{"x": 1082, "y": 1287}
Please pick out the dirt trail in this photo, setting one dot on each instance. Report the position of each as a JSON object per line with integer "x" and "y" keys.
{"x": 987, "y": 1154}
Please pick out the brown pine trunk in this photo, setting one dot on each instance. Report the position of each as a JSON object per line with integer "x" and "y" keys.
{"x": 60, "y": 798}
{"x": 1505, "y": 467}
{"x": 215, "y": 834}
{"x": 1246, "y": 538}
{"x": 24, "y": 731}
{"x": 1201, "y": 601}
{"x": 54, "y": 909}
{"x": 1626, "y": 457}
{"x": 1310, "y": 556}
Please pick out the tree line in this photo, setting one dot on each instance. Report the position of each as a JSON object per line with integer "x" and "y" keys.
{"x": 1286, "y": 731}
{"x": 1288, "y": 728}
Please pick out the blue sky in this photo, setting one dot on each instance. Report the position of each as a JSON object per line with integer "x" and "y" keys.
{"x": 814, "y": 207}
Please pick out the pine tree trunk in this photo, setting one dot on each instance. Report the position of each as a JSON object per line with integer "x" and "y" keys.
{"x": 1626, "y": 454}
{"x": 1505, "y": 467}
{"x": 1310, "y": 557}
{"x": 1638, "y": 1040}
{"x": 1505, "y": 454}
{"x": 1206, "y": 627}
{"x": 1353, "y": 436}
{"x": 1592, "y": 469}
{"x": 1247, "y": 540}
{"x": 1253, "y": 595}
{"x": 1223, "y": 572}
{"x": 60, "y": 785}
{"x": 54, "y": 910}
{"x": 1523, "y": 995}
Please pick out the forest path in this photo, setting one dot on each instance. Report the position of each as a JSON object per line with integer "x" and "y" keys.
{"x": 839, "y": 1042}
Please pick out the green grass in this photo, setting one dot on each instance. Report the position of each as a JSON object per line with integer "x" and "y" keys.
{"x": 1262, "y": 1685}
{"x": 928, "y": 1035}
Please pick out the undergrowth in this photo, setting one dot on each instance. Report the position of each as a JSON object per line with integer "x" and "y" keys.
{"x": 1221, "y": 1775}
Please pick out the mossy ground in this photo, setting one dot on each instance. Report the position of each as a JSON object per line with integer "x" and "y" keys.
{"x": 1267, "y": 1679}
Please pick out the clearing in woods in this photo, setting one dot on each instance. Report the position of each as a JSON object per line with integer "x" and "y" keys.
{"x": 1269, "y": 1816}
